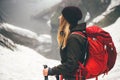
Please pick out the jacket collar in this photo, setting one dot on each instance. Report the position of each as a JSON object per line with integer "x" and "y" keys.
{"x": 79, "y": 27}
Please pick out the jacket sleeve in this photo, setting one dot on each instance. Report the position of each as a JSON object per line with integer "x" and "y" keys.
{"x": 73, "y": 51}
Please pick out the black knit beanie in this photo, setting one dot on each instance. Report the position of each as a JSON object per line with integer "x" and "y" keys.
{"x": 72, "y": 14}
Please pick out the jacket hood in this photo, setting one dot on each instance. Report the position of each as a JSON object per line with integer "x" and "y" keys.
{"x": 79, "y": 27}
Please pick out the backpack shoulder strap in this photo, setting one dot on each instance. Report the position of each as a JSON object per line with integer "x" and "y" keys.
{"x": 83, "y": 34}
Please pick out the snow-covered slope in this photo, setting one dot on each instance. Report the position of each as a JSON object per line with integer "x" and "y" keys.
{"x": 22, "y": 64}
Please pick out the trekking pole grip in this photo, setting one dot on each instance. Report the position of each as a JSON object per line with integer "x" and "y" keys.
{"x": 46, "y": 77}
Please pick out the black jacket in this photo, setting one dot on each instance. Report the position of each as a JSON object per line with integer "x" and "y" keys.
{"x": 71, "y": 54}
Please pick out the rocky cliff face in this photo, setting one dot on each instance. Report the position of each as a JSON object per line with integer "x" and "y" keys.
{"x": 11, "y": 35}
{"x": 6, "y": 42}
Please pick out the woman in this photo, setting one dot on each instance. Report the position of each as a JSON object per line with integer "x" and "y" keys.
{"x": 72, "y": 46}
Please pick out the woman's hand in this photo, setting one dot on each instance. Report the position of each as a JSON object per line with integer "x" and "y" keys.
{"x": 45, "y": 72}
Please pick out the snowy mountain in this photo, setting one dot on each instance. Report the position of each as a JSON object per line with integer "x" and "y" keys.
{"x": 26, "y": 64}
{"x": 20, "y": 60}
{"x": 40, "y": 43}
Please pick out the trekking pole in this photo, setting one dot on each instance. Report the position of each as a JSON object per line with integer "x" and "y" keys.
{"x": 57, "y": 77}
{"x": 46, "y": 77}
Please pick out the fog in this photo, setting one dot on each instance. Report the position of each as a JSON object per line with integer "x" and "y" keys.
{"x": 21, "y": 13}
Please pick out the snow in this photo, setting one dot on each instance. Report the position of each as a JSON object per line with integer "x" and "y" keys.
{"x": 45, "y": 38}
{"x": 114, "y": 3}
{"x": 21, "y": 31}
{"x": 109, "y": 9}
{"x": 26, "y": 64}
{"x": 22, "y": 64}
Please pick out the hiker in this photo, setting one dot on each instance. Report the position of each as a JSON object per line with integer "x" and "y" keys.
{"x": 94, "y": 8}
{"x": 72, "y": 46}
{"x": 54, "y": 22}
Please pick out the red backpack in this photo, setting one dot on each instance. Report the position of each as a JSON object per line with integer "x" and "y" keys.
{"x": 101, "y": 53}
